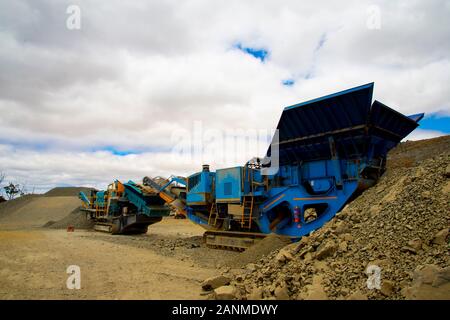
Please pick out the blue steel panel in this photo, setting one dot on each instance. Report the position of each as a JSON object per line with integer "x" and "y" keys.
{"x": 389, "y": 123}
{"x": 320, "y": 185}
{"x": 84, "y": 198}
{"x": 229, "y": 184}
{"x": 194, "y": 198}
{"x": 149, "y": 205}
{"x": 296, "y": 196}
{"x": 316, "y": 169}
{"x": 328, "y": 148}
{"x": 368, "y": 86}
{"x": 341, "y": 110}
{"x": 350, "y": 118}
{"x": 202, "y": 188}
{"x": 416, "y": 117}
{"x": 100, "y": 198}
{"x": 304, "y": 128}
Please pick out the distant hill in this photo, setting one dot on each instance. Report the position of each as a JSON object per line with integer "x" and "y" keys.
{"x": 66, "y": 191}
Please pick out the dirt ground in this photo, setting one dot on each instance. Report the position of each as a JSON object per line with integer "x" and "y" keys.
{"x": 169, "y": 262}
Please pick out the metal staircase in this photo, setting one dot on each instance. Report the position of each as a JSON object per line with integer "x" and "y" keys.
{"x": 212, "y": 220}
{"x": 247, "y": 211}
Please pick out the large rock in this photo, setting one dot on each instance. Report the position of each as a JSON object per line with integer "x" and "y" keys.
{"x": 281, "y": 293}
{"x": 409, "y": 249}
{"x": 215, "y": 282}
{"x": 225, "y": 293}
{"x": 416, "y": 244}
{"x": 447, "y": 171}
{"x": 387, "y": 288}
{"x": 426, "y": 274}
{"x": 442, "y": 277}
{"x": 429, "y": 283}
{"x": 441, "y": 237}
{"x": 251, "y": 267}
{"x": 283, "y": 256}
{"x": 347, "y": 237}
{"x": 305, "y": 251}
{"x": 341, "y": 227}
{"x": 316, "y": 291}
{"x": 255, "y": 294}
{"x": 326, "y": 249}
{"x": 357, "y": 295}
{"x": 379, "y": 263}
{"x": 343, "y": 246}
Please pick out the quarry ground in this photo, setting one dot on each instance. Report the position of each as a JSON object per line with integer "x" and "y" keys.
{"x": 167, "y": 263}
{"x": 402, "y": 225}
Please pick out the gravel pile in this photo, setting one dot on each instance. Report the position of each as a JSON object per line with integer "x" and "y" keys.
{"x": 55, "y": 208}
{"x": 66, "y": 191}
{"x": 77, "y": 218}
{"x": 398, "y": 227}
{"x": 35, "y": 211}
{"x": 410, "y": 153}
{"x": 260, "y": 249}
{"x": 10, "y": 206}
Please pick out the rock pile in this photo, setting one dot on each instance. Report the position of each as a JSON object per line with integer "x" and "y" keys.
{"x": 66, "y": 191}
{"x": 31, "y": 211}
{"x": 257, "y": 251}
{"x": 77, "y": 219}
{"x": 398, "y": 229}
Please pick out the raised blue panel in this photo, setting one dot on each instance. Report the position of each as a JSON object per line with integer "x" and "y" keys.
{"x": 320, "y": 185}
{"x": 316, "y": 169}
{"x": 358, "y": 128}
{"x": 100, "y": 198}
{"x": 147, "y": 204}
{"x": 229, "y": 185}
{"x": 416, "y": 117}
{"x": 200, "y": 188}
{"x": 304, "y": 128}
{"x": 390, "y": 124}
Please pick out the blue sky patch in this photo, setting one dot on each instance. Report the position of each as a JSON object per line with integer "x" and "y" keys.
{"x": 258, "y": 53}
{"x": 288, "y": 82}
{"x": 117, "y": 152}
{"x": 121, "y": 151}
{"x": 435, "y": 122}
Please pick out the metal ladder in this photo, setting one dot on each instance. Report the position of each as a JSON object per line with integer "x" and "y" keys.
{"x": 247, "y": 211}
{"x": 213, "y": 215}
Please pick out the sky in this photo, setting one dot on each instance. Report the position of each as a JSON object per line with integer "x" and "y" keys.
{"x": 92, "y": 91}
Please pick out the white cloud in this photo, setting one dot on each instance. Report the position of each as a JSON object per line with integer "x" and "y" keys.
{"x": 420, "y": 134}
{"x": 138, "y": 71}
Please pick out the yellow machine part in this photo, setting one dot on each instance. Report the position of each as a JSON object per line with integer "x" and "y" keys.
{"x": 120, "y": 188}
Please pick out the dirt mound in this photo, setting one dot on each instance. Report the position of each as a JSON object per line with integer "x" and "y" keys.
{"x": 34, "y": 211}
{"x": 259, "y": 250}
{"x": 399, "y": 227}
{"x": 10, "y": 206}
{"x": 66, "y": 191}
{"x": 37, "y": 210}
{"x": 409, "y": 153}
{"x": 77, "y": 218}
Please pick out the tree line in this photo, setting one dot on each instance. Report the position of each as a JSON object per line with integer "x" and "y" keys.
{"x": 11, "y": 190}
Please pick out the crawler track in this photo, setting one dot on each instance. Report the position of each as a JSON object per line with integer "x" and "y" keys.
{"x": 229, "y": 240}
